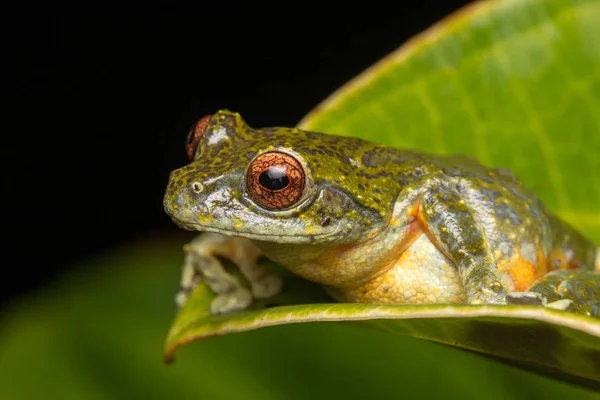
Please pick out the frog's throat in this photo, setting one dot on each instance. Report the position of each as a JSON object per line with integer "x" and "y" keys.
{"x": 280, "y": 238}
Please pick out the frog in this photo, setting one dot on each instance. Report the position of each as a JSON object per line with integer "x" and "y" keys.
{"x": 368, "y": 222}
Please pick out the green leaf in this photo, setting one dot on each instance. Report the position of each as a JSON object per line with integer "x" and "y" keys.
{"x": 559, "y": 344}
{"x": 97, "y": 334}
{"x": 515, "y": 83}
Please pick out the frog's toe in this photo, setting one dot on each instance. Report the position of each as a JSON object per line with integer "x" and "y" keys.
{"x": 267, "y": 287}
{"x": 240, "y": 299}
{"x": 181, "y": 297}
{"x": 491, "y": 295}
{"x": 185, "y": 291}
{"x": 525, "y": 298}
{"x": 563, "y": 305}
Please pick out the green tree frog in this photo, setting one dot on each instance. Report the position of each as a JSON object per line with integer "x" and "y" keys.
{"x": 370, "y": 223}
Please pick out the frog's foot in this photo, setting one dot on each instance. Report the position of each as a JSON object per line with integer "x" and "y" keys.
{"x": 231, "y": 295}
{"x": 267, "y": 287}
{"x": 536, "y": 299}
{"x": 563, "y": 305}
{"x": 240, "y": 299}
{"x": 263, "y": 284}
{"x": 183, "y": 294}
{"x": 493, "y": 293}
{"x": 189, "y": 280}
{"x": 525, "y": 298}
{"x": 202, "y": 264}
{"x": 581, "y": 288}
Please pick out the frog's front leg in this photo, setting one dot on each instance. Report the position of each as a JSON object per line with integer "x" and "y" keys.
{"x": 452, "y": 228}
{"x": 201, "y": 263}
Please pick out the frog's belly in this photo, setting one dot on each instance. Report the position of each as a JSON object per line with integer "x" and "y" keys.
{"x": 421, "y": 275}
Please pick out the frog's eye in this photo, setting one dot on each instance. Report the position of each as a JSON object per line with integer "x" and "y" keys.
{"x": 195, "y": 135}
{"x": 275, "y": 180}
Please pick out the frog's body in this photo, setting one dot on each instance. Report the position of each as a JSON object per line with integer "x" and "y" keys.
{"x": 373, "y": 223}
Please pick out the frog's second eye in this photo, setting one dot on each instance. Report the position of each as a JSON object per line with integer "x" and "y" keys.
{"x": 275, "y": 180}
{"x": 195, "y": 135}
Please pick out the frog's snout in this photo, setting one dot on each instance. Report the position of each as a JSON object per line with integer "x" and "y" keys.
{"x": 179, "y": 198}
{"x": 182, "y": 203}
{"x": 171, "y": 202}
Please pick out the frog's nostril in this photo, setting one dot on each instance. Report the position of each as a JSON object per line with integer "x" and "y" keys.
{"x": 197, "y": 187}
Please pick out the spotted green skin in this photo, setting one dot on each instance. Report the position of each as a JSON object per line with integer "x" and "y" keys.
{"x": 365, "y": 204}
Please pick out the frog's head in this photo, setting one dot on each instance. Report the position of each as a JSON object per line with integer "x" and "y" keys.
{"x": 279, "y": 185}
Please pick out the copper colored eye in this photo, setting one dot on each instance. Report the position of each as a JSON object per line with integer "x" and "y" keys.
{"x": 275, "y": 180}
{"x": 195, "y": 135}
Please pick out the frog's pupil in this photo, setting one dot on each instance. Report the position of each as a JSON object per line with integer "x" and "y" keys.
{"x": 190, "y": 137}
{"x": 274, "y": 178}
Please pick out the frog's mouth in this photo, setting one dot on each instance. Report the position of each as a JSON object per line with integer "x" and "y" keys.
{"x": 265, "y": 237}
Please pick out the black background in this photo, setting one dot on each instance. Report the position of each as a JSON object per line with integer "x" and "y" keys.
{"x": 99, "y": 102}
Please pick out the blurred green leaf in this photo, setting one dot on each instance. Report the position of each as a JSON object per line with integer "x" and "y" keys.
{"x": 515, "y": 83}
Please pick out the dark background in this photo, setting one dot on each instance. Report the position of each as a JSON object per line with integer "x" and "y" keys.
{"x": 99, "y": 102}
